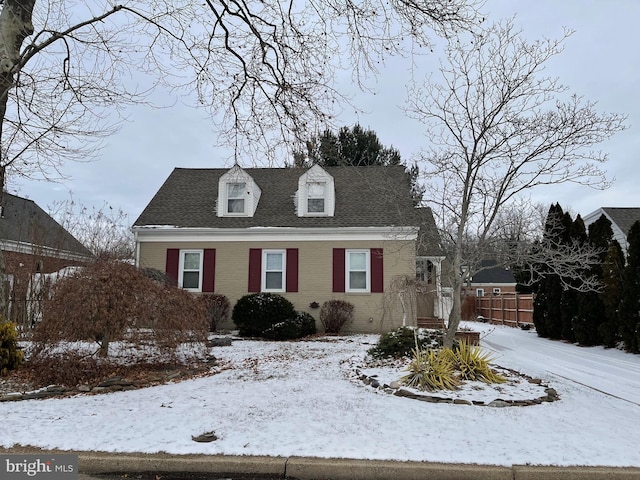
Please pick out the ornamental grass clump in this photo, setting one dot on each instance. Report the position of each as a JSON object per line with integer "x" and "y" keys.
{"x": 472, "y": 363}
{"x": 430, "y": 370}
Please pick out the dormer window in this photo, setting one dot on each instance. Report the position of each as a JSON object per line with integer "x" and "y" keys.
{"x": 236, "y": 193}
{"x": 316, "y": 195}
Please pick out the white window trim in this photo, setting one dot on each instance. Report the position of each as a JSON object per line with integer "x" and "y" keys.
{"x": 263, "y": 281}
{"x": 244, "y": 197}
{"x": 496, "y": 290}
{"x": 315, "y": 174}
{"x": 181, "y": 269}
{"x": 251, "y": 194}
{"x": 347, "y": 270}
{"x": 323, "y": 213}
{"x": 479, "y": 292}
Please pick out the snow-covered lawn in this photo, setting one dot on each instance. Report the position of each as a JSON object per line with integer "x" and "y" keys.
{"x": 302, "y": 398}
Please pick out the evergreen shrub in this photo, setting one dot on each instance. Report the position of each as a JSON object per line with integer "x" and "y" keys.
{"x": 302, "y": 325}
{"x": 402, "y": 341}
{"x": 11, "y": 356}
{"x": 255, "y": 313}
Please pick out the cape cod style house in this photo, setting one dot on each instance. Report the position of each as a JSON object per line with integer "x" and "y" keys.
{"x": 311, "y": 235}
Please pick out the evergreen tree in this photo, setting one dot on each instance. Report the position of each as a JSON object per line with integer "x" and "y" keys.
{"x": 354, "y": 147}
{"x": 612, "y": 286}
{"x": 630, "y": 305}
{"x": 591, "y": 307}
{"x": 548, "y": 288}
{"x": 574, "y": 233}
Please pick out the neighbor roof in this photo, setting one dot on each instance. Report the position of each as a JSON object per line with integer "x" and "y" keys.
{"x": 490, "y": 273}
{"x": 371, "y": 196}
{"x": 623, "y": 217}
{"x": 24, "y": 222}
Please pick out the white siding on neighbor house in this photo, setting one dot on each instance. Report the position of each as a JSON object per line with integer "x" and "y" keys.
{"x": 618, "y": 234}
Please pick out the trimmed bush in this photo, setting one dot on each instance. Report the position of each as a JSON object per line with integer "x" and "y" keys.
{"x": 255, "y": 313}
{"x": 302, "y": 325}
{"x": 217, "y": 307}
{"x": 401, "y": 342}
{"x": 11, "y": 356}
{"x": 335, "y": 314}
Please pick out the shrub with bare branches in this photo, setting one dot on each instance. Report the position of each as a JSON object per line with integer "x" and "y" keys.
{"x": 110, "y": 300}
{"x": 335, "y": 314}
{"x": 217, "y": 308}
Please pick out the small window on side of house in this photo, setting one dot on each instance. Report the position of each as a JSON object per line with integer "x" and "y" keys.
{"x": 479, "y": 292}
{"x": 496, "y": 291}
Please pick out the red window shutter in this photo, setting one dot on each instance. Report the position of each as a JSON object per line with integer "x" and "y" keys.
{"x": 338, "y": 269}
{"x": 292, "y": 270}
{"x": 377, "y": 271}
{"x": 255, "y": 269}
{"x": 171, "y": 267}
{"x": 209, "y": 270}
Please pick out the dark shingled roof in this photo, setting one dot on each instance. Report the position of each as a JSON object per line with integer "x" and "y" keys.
{"x": 623, "y": 217}
{"x": 428, "y": 239}
{"x": 24, "y": 221}
{"x": 492, "y": 274}
{"x": 372, "y": 196}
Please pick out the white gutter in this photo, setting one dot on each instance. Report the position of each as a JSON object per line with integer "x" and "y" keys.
{"x": 166, "y": 233}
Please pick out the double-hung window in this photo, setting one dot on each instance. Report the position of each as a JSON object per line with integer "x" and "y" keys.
{"x": 274, "y": 270}
{"x": 357, "y": 271}
{"x": 190, "y": 269}
{"x": 316, "y": 197}
{"x": 236, "y": 197}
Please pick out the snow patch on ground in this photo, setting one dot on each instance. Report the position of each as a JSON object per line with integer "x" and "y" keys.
{"x": 298, "y": 399}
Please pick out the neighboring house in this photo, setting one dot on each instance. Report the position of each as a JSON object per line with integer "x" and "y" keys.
{"x": 621, "y": 220}
{"x": 492, "y": 280}
{"x": 32, "y": 242}
{"x": 311, "y": 235}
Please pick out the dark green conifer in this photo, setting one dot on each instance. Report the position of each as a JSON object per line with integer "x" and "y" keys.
{"x": 612, "y": 285}
{"x": 630, "y": 305}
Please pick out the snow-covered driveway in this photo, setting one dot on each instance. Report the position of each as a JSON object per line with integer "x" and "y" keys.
{"x": 608, "y": 371}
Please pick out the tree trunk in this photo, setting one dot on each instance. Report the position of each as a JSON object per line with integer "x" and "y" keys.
{"x": 15, "y": 26}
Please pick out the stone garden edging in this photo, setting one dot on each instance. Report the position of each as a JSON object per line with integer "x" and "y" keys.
{"x": 394, "y": 388}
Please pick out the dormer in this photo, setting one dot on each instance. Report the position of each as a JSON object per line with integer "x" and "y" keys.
{"x": 316, "y": 195}
{"x": 238, "y": 194}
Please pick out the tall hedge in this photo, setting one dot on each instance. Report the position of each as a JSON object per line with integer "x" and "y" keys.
{"x": 630, "y": 305}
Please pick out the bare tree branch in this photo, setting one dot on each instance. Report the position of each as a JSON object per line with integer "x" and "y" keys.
{"x": 500, "y": 128}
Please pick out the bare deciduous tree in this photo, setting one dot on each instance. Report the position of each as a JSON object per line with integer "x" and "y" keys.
{"x": 500, "y": 128}
{"x": 264, "y": 70}
{"x": 105, "y": 231}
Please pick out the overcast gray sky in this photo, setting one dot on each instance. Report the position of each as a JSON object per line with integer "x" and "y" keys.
{"x": 601, "y": 62}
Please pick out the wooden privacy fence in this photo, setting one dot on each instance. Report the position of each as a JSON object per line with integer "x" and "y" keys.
{"x": 513, "y": 309}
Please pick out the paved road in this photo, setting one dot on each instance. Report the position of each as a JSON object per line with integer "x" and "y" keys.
{"x": 173, "y": 476}
{"x": 608, "y": 371}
